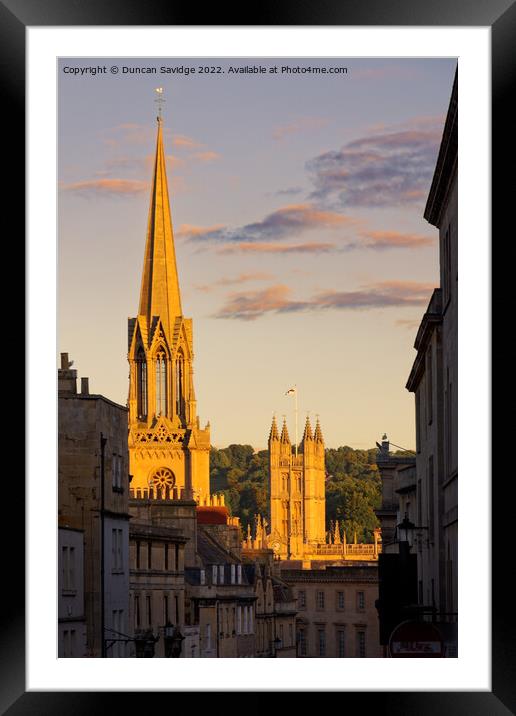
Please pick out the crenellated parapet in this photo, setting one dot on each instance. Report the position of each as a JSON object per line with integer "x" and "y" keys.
{"x": 212, "y": 501}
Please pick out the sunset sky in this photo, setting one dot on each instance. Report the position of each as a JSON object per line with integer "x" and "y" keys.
{"x": 297, "y": 204}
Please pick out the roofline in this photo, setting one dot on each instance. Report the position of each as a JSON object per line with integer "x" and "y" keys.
{"x": 446, "y": 161}
{"x": 93, "y": 396}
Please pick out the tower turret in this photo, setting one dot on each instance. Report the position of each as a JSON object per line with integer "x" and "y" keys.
{"x": 307, "y": 435}
{"x": 285, "y": 439}
{"x": 318, "y": 436}
{"x": 273, "y": 435}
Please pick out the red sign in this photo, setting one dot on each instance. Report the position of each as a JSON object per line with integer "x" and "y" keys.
{"x": 416, "y": 640}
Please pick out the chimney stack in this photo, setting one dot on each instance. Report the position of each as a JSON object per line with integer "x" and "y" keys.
{"x": 85, "y": 387}
{"x": 66, "y": 377}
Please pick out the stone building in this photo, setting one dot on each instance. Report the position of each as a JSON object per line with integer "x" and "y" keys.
{"x": 434, "y": 380}
{"x": 93, "y": 490}
{"x": 285, "y": 611}
{"x": 71, "y": 615}
{"x": 167, "y": 446}
{"x": 397, "y": 565}
{"x": 220, "y": 597}
{"x": 163, "y": 532}
{"x": 336, "y": 612}
{"x": 275, "y": 612}
{"x": 157, "y": 586}
{"x": 399, "y": 495}
{"x": 425, "y": 490}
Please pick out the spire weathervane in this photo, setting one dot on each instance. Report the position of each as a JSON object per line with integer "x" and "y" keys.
{"x": 159, "y": 101}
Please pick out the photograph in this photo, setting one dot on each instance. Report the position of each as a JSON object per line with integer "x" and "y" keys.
{"x": 257, "y": 357}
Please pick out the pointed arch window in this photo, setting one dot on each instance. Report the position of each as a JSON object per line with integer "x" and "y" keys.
{"x": 141, "y": 383}
{"x": 179, "y": 383}
{"x": 161, "y": 383}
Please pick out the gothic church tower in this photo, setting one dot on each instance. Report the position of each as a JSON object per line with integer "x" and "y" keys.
{"x": 297, "y": 492}
{"x": 167, "y": 447}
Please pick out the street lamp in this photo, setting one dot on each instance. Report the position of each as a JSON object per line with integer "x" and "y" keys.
{"x": 173, "y": 641}
{"x": 277, "y": 645}
{"x": 406, "y": 530}
{"x": 145, "y": 644}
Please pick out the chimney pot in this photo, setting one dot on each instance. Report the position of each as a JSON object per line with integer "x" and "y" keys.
{"x": 85, "y": 387}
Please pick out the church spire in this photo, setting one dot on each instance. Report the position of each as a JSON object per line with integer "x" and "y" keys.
{"x": 160, "y": 294}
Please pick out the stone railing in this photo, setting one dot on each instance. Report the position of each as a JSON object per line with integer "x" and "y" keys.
{"x": 348, "y": 550}
{"x": 174, "y": 493}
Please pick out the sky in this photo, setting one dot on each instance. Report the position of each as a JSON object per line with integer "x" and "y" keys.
{"x": 297, "y": 204}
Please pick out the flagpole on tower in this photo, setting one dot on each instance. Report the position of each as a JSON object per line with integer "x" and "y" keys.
{"x": 289, "y": 392}
{"x": 295, "y": 410}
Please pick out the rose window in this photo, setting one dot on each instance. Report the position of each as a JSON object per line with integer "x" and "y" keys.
{"x": 162, "y": 478}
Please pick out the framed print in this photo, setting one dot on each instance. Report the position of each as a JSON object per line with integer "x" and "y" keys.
{"x": 323, "y": 184}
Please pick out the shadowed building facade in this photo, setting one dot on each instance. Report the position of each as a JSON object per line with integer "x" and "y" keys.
{"x": 167, "y": 447}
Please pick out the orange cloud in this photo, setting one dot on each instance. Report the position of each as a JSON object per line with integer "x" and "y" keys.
{"x": 242, "y": 278}
{"x": 267, "y": 248}
{"x": 407, "y": 323}
{"x": 250, "y": 305}
{"x": 302, "y": 125}
{"x": 283, "y": 222}
{"x": 109, "y": 187}
{"x": 396, "y": 240}
{"x": 206, "y": 156}
{"x": 188, "y": 231}
{"x": 181, "y": 140}
{"x": 276, "y": 299}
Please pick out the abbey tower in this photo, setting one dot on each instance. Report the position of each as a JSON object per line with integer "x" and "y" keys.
{"x": 297, "y": 492}
{"x": 167, "y": 447}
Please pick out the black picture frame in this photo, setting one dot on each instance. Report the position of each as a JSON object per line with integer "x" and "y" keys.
{"x": 500, "y": 16}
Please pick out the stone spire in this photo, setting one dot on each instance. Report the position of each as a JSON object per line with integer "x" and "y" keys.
{"x": 318, "y": 436}
{"x": 160, "y": 294}
{"x": 307, "y": 435}
{"x": 284, "y": 433}
{"x": 273, "y": 435}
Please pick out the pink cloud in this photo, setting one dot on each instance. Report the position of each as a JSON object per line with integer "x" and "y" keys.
{"x": 107, "y": 187}
{"x": 288, "y": 220}
{"x": 242, "y": 278}
{"x": 251, "y": 305}
{"x": 301, "y": 125}
{"x": 182, "y": 140}
{"x": 408, "y": 323}
{"x": 381, "y": 240}
{"x": 269, "y": 248}
{"x": 189, "y": 231}
{"x": 206, "y": 156}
